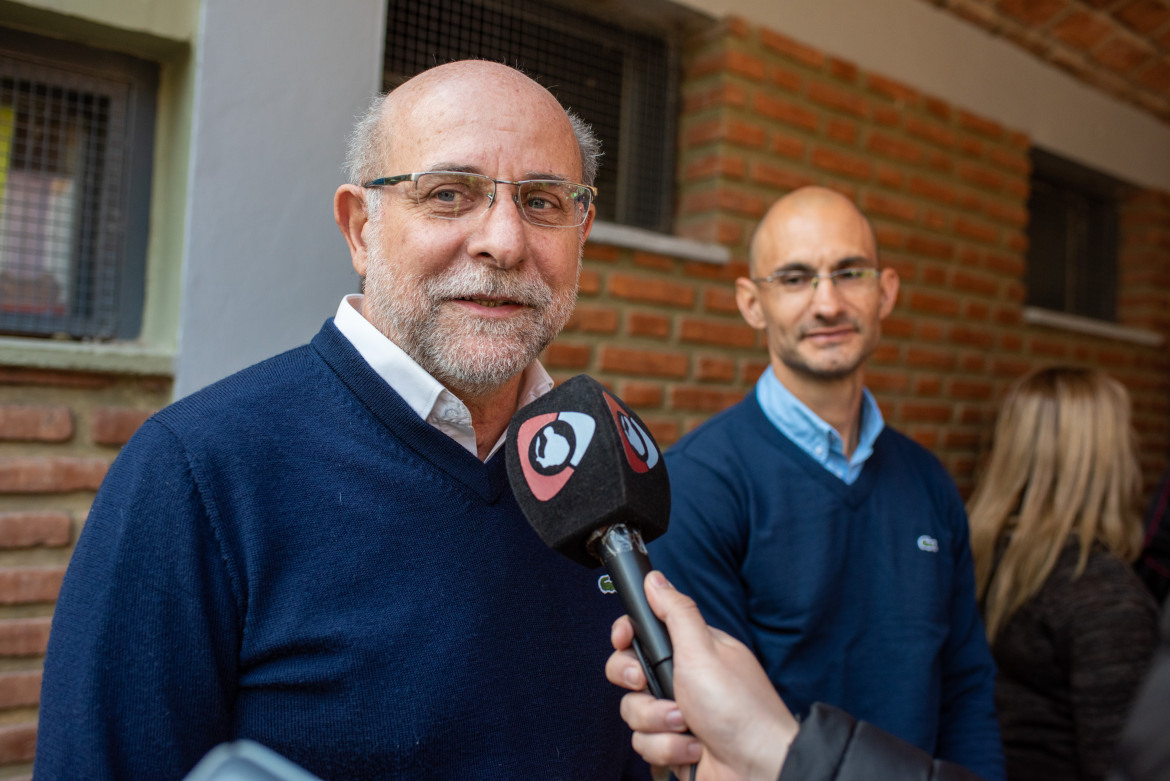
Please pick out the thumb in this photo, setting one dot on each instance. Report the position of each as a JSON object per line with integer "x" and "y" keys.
{"x": 678, "y": 611}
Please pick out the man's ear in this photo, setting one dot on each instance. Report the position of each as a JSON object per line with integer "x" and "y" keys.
{"x": 349, "y": 210}
{"x": 888, "y": 284}
{"x": 747, "y": 296}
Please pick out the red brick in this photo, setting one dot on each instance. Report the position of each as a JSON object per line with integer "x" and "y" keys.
{"x": 930, "y": 332}
{"x": 601, "y": 252}
{"x": 970, "y": 202}
{"x": 697, "y": 399}
{"x": 933, "y": 303}
{"x": 787, "y": 47}
{"x": 35, "y": 423}
{"x": 876, "y": 204}
{"x": 720, "y": 300}
{"x": 889, "y": 88}
{"x": 931, "y": 247}
{"x": 934, "y": 275}
{"x": 743, "y": 64}
{"x": 665, "y": 432}
{"x": 1010, "y": 265}
{"x": 115, "y": 425}
{"x": 722, "y": 95}
{"x": 56, "y": 474}
{"x": 973, "y": 282}
{"x": 561, "y": 355}
{"x": 935, "y": 191}
{"x": 784, "y": 78}
{"x": 930, "y": 358}
{"x": 885, "y": 382}
{"x": 785, "y": 111}
{"x": 843, "y": 70}
{"x": 30, "y": 585}
{"x": 981, "y": 176}
{"x": 714, "y": 166}
{"x": 1049, "y": 348}
{"x": 1157, "y": 76}
{"x": 838, "y": 99}
{"x": 24, "y": 636}
{"x": 977, "y": 390}
{"x": 893, "y": 147}
{"x": 923, "y": 386}
{"x": 714, "y": 368}
{"x": 1081, "y": 30}
{"x": 642, "y": 395}
{"x": 651, "y": 290}
{"x": 1032, "y": 13}
{"x": 18, "y": 743}
{"x": 593, "y": 319}
{"x": 56, "y": 379}
{"x": 653, "y": 260}
{"x": 898, "y": 326}
{"x": 20, "y": 689}
{"x": 1011, "y": 214}
{"x": 787, "y": 146}
{"x": 647, "y": 324}
{"x": 970, "y": 146}
{"x": 886, "y": 116}
{"x": 842, "y": 131}
{"x": 943, "y": 162}
{"x": 1143, "y": 16}
{"x": 939, "y": 108}
{"x": 589, "y": 283}
{"x": 983, "y": 127}
{"x": 889, "y": 177}
{"x": 924, "y": 412}
{"x": 651, "y": 363}
{"x": 930, "y": 131}
{"x": 717, "y": 332}
{"x": 979, "y": 231}
{"x": 776, "y": 176}
{"x": 842, "y": 163}
{"x": 750, "y": 370}
{"x": 33, "y": 528}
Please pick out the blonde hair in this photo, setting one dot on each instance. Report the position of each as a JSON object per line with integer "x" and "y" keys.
{"x": 1063, "y": 463}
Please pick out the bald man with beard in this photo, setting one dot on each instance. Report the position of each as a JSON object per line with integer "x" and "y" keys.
{"x": 322, "y": 553}
{"x": 834, "y": 547}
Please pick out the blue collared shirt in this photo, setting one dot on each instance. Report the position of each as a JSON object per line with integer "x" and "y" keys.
{"x": 813, "y": 435}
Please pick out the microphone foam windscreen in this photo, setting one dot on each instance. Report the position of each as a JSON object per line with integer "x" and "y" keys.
{"x": 579, "y": 460}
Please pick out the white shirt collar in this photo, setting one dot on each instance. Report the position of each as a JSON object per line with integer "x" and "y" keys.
{"x": 429, "y": 399}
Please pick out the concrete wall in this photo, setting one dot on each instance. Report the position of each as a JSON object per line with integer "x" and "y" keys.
{"x": 277, "y": 87}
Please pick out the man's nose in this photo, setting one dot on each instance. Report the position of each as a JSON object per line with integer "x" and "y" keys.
{"x": 826, "y": 298}
{"x": 500, "y": 236}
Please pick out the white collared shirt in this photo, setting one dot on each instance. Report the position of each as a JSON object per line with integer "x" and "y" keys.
{"x": 423, "y": 393}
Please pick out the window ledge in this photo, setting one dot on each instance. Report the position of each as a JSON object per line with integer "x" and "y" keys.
{"x": 660, "y": 243}
{"x": 1087, "y": 325}
{"x": 123, "y": 358}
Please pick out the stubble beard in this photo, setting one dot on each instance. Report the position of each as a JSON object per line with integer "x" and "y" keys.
{"x": 827, "y": 365}
{"x": 470, "y": 355}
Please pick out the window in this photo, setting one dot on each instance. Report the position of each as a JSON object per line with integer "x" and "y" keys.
{"x": 619, "y": 79}
{"x": 1072, "y": 238}
{"x": 76, "y": 138}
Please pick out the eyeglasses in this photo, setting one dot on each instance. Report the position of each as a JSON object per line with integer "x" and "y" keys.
{"x": 454, "y": 195}
{"x": 846, "y": 280}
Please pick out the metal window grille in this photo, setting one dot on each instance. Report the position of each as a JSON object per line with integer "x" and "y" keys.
{"x": 72, "y": 192}
{"x": 621, "y": 81}
{"x": 1073, "y": 238}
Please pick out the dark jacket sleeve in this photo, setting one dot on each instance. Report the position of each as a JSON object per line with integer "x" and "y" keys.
{"x": 833, "y": 746}
{"x": 1143, "y": 752}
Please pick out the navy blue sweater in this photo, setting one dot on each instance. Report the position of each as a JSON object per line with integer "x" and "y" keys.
{"x": 860, "y": 596}
{"x": 293, "y": 556}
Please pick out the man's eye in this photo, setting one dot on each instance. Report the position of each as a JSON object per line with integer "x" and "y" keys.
{"x": 447, "y": 195}
{"x": 850, "y": 274}
{"x": 795, "y": 279}
{"x": 542, "y": 200}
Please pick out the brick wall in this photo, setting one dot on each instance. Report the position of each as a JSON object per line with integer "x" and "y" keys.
{"x": 946, "y": 190}
{"x": 59, "y": 432}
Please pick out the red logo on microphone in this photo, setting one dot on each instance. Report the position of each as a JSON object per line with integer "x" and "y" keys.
{"x": 641, "y": 453}
{"x": 550, "y": 446}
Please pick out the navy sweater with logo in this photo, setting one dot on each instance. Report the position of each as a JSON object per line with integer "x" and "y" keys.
{"x": 293, "y": 556}
{"x": 860, "y": 596}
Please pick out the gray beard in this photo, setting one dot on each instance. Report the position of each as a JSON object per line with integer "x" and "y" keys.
{"x": 471, "y": 356}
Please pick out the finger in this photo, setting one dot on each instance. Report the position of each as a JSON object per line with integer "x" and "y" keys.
{"x": 678, "y": 611}
{"x": 668, "y": 750}
{"x": 623, "y": 669}
{"x": 621, "y": 636}
{"x": 645, "y": 713}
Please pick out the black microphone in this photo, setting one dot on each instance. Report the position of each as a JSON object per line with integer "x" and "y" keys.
{"x": 591, "y": 481}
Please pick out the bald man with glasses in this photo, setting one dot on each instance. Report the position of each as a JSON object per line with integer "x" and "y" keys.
{"x": 831, "y": 545}
{"x": 322, "y": 553}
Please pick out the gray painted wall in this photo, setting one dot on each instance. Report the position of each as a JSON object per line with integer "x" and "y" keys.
{"x": 278, "y": 84}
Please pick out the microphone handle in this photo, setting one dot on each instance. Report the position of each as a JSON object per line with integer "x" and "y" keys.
{"x": 623, "y": 553}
